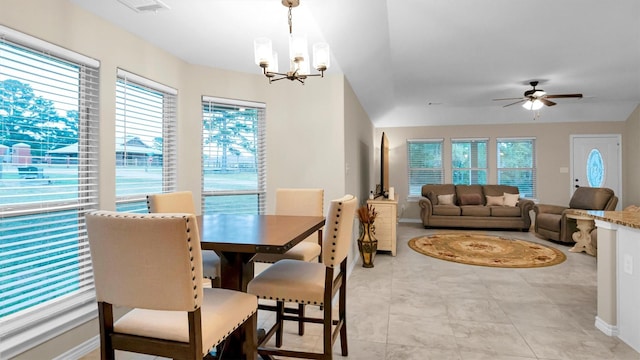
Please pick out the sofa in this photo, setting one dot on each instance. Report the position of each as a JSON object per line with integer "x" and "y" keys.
{"x": 551, "y": 221}
{"x": 474, "y": 206}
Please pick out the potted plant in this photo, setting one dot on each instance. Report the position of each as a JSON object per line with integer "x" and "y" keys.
{"x": 367, "y": 243}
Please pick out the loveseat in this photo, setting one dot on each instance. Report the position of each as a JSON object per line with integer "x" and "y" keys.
{"x": 474, "y": 206}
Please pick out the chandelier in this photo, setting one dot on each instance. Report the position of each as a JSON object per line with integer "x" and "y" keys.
{"x": 267, "y": 59}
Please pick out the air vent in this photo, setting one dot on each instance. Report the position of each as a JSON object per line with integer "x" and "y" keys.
{"x": 144, "y": 6}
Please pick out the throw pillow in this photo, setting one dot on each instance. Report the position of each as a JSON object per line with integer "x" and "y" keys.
{"x": 432, "y": 197}
{"x": 495, "y": 200}
{"x": 470, "y": 199}
{"x": 445, "y": 199}
{"x": 511, "y": 199}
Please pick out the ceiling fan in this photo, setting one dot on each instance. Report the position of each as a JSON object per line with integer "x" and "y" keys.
{"x": 534, "y": 99}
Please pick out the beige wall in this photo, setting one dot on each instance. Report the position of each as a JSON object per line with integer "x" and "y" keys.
{"x": 631, "y": 160}
{"x": 552, "y": 145}
{"x": 307, "y": 126}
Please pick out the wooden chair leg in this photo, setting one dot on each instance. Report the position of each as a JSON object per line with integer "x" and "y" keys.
{"x": 301, "y": 322}
{"x": 327, "y": 333}
{"x": 342, "y": 310}
{"x": 105, "y": 314}
{"x": 280, "y": 322}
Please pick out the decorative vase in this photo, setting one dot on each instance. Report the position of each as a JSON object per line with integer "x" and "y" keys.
{"x": 367, "y": 244}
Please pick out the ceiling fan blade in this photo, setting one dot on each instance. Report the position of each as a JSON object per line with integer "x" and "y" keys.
{"x": 546, "y": 102}
{"x": 516, "y": 98}
{"x": 517, "y": 102}
{"x": 560, "y": 96}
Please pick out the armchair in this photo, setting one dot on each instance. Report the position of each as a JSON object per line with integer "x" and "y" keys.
{"x": 551, "y": 221}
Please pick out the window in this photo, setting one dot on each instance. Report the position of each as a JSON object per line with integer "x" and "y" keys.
{"x": 469, "y": 161}
{"x": 48, "y": 176}
{"x": 145, "y": 141}
{"x": 233, "y": 156}
{"x": 517, "y": 164}
{"x": 425, "y": 164}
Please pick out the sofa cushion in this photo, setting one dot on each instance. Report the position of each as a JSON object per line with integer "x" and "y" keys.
{"x": 438, "y": 189}
{"x": 471, "y": 199}
{"x": 446, "y": 199}
{"x": 495, "y": 200}
{"x": 505, "y": 211}
{"x": 446, "y": 210}
{"x": 549, "y": 221}
{"x": 432, "y": 197}
{"x": 511, "y": 199}
{"x": 589, "y": 198}
{"x": 475, "y": 210}
{"x": 469, "y": 189}
{"x": 498, "y": 190}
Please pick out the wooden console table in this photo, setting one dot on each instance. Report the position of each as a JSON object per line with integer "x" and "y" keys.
{"x": 386, "y": 223}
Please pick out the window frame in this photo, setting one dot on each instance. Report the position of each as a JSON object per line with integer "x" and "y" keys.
{"x": 472, "y": 159}
{"x": 531, "y": 169}
{"x": 28, "y": 328}
{"x": 439, "y": 141}
{"x": 141, "y": 86}
{"x": 260, "y": 157}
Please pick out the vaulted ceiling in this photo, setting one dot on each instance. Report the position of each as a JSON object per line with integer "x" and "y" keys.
{"x": 425, "y": 62}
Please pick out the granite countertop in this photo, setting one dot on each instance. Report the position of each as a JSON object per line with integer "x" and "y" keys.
{"x": 626, "y": 218}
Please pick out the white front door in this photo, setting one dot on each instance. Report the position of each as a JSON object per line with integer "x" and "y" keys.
{"x": 596, "y": 162}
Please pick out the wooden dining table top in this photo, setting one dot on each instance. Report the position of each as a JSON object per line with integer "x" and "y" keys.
{"x": 255, "y": 233}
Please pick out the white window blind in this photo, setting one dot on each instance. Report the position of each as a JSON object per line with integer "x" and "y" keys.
{"x": 233, "y": 156}
{"x": 424, "y": 164}
{"x": 146, "y": 137}
{"x": 469, "y": 161}
{"x": 517, "y": 164}
{"x": 49, "y": 181}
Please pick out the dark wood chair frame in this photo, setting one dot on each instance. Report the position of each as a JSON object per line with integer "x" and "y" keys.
{"x": 192, "y": 350}
{"x": 299, "y": 311}
{"x": 331, "y": 287}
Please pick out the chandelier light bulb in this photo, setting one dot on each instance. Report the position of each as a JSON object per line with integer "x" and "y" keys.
{"x": 263, "y": 52}
{"x": 321, "y": 56}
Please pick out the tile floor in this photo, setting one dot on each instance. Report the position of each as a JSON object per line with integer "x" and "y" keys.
{"x": 413, "y": 307}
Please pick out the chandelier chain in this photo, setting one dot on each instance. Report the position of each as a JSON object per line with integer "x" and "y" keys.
{"x": 290, "y": 24}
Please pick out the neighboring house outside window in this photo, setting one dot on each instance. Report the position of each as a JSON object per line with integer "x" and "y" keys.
{"x": 425, "y": 164}
{"x": 233, "y": 156}
{"x": 517, "y": 164}
{"x": 145, "y": 141}
{"x": 49, "y": 179}
{"x": 469, "y": 161}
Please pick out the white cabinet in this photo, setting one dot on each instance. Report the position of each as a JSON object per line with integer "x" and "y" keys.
{"x": 386, "y": 223}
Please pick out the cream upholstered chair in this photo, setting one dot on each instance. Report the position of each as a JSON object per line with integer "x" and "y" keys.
{"x": 152, "y": 264}
{"x": 298, "y": 202}
{"x": 312, "y": 283}
{"x": 182, "y": 202}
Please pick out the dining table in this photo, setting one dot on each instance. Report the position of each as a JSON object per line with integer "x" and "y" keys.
{"x": 237, "y": 238}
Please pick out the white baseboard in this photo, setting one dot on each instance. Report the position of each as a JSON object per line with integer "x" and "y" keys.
{"x": 610, "y": 330}
{"x": 81, "y": 350}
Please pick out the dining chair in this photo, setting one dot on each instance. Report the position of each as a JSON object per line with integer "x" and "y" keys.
{"x": 151, "y": 264}
{"x": 182, "y": 202}
{"x": 305, "y": 282}
{"x": 297, "y": 202}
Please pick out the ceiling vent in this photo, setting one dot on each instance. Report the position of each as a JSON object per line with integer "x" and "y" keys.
{"x": 145, "y": 6}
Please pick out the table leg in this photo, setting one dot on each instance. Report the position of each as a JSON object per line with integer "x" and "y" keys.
{"x": 236, "y": 270}
{"x": 582, "y": 237}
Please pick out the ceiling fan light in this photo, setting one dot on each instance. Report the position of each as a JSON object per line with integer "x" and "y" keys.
{"x": 539, "y": 93}
{"x": 533, "y": 105}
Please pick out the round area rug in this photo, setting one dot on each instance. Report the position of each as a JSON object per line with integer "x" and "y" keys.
{"x": 487, "y": 250}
